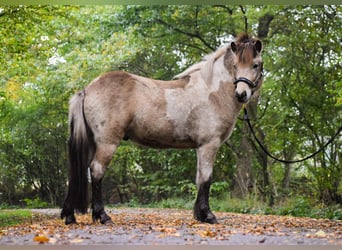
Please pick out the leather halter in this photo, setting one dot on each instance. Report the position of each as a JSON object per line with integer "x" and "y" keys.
{"x": 251, "y": 84}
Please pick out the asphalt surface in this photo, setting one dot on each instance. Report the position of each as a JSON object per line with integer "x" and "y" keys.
{"x": 172, "y": 227}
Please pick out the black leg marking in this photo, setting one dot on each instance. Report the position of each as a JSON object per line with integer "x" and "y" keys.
{"x": 68, "y": 212}
{"x": 97, "y": 204}
{"x": 201, "y": 209}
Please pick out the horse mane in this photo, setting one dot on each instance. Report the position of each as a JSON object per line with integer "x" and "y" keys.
{"x": 205, "y": 66}
{"x": 246, "y": 52}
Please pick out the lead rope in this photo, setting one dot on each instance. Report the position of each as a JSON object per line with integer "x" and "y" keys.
{"x": 246, "y": 118}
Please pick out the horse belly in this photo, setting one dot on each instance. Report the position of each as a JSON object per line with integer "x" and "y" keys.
{"x": 163, "y": 144}
{"x": 158, "y": 132}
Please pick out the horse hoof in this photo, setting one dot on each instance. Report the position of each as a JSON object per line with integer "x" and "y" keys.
{"x": 70, "y": 220}
{"x": 102, "y": 217}
{"x": 108, "y": 222}
{"x": 211, "y": 219}
{"x": 208, "y": 217}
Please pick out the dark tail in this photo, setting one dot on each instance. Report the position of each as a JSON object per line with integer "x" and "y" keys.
{"x": 79, "y": 149}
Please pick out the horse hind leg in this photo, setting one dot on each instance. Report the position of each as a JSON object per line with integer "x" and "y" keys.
{"x": 68, "y": 211}
{"x": 102, "y": 157}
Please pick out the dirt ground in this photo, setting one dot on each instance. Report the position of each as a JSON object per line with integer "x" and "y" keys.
{"x": 142, "y": 226}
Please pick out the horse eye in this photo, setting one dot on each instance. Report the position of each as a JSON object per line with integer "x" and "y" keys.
{"x": 234, "y": 66}
{"x": 255, "y": 66}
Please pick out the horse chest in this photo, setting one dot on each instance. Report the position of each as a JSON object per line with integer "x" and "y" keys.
{"x": 192, "y": 114}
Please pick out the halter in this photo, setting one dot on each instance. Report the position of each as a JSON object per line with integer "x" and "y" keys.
{"x": 251, "y": 84}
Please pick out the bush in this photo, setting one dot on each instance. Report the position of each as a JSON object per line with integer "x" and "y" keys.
{"x": 35, "y": 203}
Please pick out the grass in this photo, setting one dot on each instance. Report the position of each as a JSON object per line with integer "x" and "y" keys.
{"x": 296, "y": 206}
{"x": 14, "y": 217}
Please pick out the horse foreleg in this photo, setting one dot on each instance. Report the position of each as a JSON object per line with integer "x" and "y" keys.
{"x": 102, "y": 158}
{"x": 205, "y": 160}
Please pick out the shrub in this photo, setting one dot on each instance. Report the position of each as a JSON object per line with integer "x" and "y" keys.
{"x": 35, "y": 203}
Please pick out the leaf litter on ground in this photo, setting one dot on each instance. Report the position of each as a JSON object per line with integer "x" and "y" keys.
{"x": 165, "y": 224}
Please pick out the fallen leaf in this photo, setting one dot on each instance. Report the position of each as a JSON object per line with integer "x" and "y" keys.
{"x": 41, "y": 239}
{"x": 177, "y": 234}
{"x": 207, "y": 233}
{"x": 321, "y": 234}
{"x": 77, "y": 240}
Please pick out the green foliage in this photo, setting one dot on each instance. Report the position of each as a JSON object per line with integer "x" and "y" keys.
{"x": 304, "y": 207}
{"x": 35, "y": 203}
{"x": 298, "y": 206}
{"x": 47, "y": 53}
{"x": 181, "y": 203}
{"x": 219, "y": 189}
{"x": 250, "y": 205}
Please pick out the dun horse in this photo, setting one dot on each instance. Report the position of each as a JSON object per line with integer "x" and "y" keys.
{"x": 198, "y": 110}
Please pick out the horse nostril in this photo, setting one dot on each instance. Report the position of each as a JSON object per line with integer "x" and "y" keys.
{"x": 241, "y": 97}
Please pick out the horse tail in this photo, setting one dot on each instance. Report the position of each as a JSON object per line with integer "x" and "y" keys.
{"x": 79, "y": 151}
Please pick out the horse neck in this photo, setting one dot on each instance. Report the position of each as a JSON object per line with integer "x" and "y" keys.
{"x": 214, "y": 79}
{"x": 219, "y": 75}
{"x": 222, "y": 84}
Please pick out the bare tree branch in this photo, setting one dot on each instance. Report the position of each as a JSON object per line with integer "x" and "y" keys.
{"x": 189, "y": 34}
{"x": 245, "y": 18}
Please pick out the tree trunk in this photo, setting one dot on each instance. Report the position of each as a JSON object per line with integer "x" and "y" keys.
{"x": 243, "y": 181}
{"x": 288, "y": 156}
{"x": 266, "y": 186}
{"x": 286, "y": 179}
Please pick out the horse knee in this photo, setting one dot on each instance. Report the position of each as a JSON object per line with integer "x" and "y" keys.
{"x": 203, "y": 174}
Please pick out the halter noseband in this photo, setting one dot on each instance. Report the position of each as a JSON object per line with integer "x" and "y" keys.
{"x": 251, "y": 84}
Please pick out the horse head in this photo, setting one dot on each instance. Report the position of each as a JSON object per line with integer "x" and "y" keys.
{"x": 243, "y": 61}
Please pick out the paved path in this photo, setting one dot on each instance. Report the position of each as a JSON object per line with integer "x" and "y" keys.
{"x": 173, "y": 227}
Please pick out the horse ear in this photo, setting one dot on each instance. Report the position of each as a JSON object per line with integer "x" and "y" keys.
{"x": 258, "y": 46}
{"x": 233, "y": 47}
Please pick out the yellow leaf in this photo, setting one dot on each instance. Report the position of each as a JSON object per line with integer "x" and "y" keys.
{"x": 41, "y": 239}
{"x": 321, "y": 234}
{"x": 207, "y": 233}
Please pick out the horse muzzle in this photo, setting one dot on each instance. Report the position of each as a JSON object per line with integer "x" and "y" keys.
{"x": 242, "y": 97}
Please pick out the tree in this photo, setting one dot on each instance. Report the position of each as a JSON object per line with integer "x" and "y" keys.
{"x": 47, "y": 53}
{"x": 304, "y": 69}
{"x": 45, "y": 57}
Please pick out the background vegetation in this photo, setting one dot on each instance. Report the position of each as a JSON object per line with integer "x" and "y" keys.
{"x": 47, "y": 53}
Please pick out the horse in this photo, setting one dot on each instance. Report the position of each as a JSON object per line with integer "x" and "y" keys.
{"x": 198, "y": 109}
